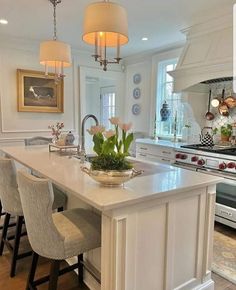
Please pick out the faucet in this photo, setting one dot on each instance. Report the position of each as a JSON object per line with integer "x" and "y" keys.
{"x": 82, "y": 149}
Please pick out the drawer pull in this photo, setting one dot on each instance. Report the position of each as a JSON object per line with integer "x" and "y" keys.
{"x": 143, "y": 148}
{"x": 226, "y": 212}
{"x": 144, "y": 155}
{"x": 166, "y": 152}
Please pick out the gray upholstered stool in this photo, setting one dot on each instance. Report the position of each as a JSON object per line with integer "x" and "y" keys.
{"x": 56, "y": 236}
{"x": 11, "y": 204}
{"x": 60, "y": 197}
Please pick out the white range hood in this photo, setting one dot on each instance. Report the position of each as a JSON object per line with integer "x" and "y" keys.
{"x": 207, "y": 54}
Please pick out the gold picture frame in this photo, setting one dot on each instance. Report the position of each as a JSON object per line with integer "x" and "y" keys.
{"x": 37, "y": 93}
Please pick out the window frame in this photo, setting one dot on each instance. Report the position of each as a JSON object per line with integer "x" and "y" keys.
{"x": 161, "y": 84}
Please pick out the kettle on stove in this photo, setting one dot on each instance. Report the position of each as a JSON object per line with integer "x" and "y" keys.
{"x": 206, "y": 136}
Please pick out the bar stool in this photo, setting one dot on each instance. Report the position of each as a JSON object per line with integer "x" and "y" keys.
{"x": 11, "y": 204}
{"x": 56, "y": 236}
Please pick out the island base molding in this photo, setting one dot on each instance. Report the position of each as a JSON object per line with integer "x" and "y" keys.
{"x": 162, "y": 244}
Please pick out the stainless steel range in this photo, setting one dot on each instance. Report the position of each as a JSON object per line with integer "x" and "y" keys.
{"x": 215, "y": 161}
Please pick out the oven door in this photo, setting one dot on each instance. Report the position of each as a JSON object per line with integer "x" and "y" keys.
{"x": 225, "y": 210}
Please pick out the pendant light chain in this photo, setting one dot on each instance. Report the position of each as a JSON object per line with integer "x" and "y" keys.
{"x": 54, "y": 3}
{"x": 55, "y": 20}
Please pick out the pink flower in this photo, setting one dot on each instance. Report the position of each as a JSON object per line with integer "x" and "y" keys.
{"x": 96, "y": 129}
{"x": 125, "y": 127}
{"x": 114, "y": 120}
{"x": 109, "y": 133}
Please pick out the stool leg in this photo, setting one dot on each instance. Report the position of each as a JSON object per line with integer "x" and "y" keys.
{"x": 80, "y": 269}
{"x": 60, "y": 209}
{"x": 4, "y": 232}
{"x": 16, "y": 245}
{"x": 54, "y": 273}
{"x": 33, "y": 267}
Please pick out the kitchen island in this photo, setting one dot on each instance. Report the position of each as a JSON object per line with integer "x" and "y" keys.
{"x": 156, "y": 230}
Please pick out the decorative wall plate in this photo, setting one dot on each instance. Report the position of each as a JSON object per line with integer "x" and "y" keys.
{"x": 137, "y": 93}
{"x": 137, "y": 79}
{"x": 136, "y": 109}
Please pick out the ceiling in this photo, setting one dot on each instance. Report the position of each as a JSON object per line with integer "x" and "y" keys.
{"x": 159, "y": 20}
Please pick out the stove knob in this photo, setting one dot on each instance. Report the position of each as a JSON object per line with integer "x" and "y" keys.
{"x": 222, "y": 166}
{"x": 231, "y": 165}
{"x": 184, "y": 156}
{"x": 178, "y": 156}
{"x": 194, "y": 159}
{"x": 201, "y": 162}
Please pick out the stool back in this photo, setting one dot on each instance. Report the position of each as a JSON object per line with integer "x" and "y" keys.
{"x": 37, "y": 199}
{"x": 9, "y": 193}
{"x": 37, "y": 141}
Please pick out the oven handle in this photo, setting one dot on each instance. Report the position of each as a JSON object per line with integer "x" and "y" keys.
{"x": 184, "y": 166}
{"x": 216, "y": 173}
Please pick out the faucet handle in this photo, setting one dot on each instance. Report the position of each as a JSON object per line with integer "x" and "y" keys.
{"x": 82, "y": 156}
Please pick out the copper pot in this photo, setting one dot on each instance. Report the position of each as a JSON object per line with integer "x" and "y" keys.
{"x": 230, "y": 102}
{"x": 223, "y": 108}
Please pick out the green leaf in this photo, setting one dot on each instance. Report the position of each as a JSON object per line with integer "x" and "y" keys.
{"x": 98, "y": 141}
{"x": 110, "y": 162}
{"x": 108, "y": 146}
{"x": 127, "y": 142}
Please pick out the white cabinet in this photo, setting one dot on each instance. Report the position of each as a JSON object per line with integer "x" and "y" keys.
{"x": 156, "y": 153}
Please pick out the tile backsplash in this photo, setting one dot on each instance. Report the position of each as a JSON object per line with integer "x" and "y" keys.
{"x": 221, "y": 120}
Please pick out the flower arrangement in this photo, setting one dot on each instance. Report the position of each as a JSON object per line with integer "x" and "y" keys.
{"x": 112, "y": 146}
{"x": 56, "y": 130}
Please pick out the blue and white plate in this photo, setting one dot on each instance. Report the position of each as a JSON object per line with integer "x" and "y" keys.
{"x": 136, "y": 109}
{"x": 137, "y": 79}
{"x": 137, "y": 93}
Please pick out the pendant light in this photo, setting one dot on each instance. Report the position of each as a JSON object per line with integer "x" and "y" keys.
{"x": 54, "y": 53}
{"x": 105, "y": 25}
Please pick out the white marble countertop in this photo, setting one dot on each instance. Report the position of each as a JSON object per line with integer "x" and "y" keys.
{"x": 66, "y": 173}
{"x": 164, "y": 143}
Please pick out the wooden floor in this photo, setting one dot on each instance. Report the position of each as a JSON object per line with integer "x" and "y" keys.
{"x": 68, "y": 281}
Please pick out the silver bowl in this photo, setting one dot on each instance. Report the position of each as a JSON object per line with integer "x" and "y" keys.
{"x": 111, "y": 177}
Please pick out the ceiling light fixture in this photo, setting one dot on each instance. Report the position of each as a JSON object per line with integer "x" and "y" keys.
{"x": 105, "y": 25}
{"x": 144, "y": 38}
{"x": 3, "y": 21}
{"x": 54, "y": 53}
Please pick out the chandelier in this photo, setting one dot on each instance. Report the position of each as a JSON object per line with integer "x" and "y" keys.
{"x": 105, "y": 25}
{"x": 54, "y": 53}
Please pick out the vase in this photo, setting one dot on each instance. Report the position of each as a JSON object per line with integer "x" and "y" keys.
{"x": 70, "y": 138}
{"x": 165, "y": 112}
{"x": 111, "y": 177}
{"x": 55, "y": 139}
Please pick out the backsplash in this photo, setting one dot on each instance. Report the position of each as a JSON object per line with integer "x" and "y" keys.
{"x": 221, "y": 120}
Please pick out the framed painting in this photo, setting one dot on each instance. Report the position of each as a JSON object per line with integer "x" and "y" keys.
{"x": 37, "y": 93}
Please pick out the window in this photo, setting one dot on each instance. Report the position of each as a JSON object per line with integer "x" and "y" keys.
{"x": 165, "y": 93}
{"x": 108, "y": 108}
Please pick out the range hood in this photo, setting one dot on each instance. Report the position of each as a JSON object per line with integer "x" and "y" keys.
{"x": 207, "y": 54}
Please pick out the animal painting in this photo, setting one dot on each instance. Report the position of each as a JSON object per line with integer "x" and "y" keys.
{"x": 41, "y": 92}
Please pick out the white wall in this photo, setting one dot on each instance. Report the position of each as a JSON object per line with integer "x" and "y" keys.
{"x": 146, "y": 65}
{"x": 15, "y": 126}
{"x": 140, "y": 121}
